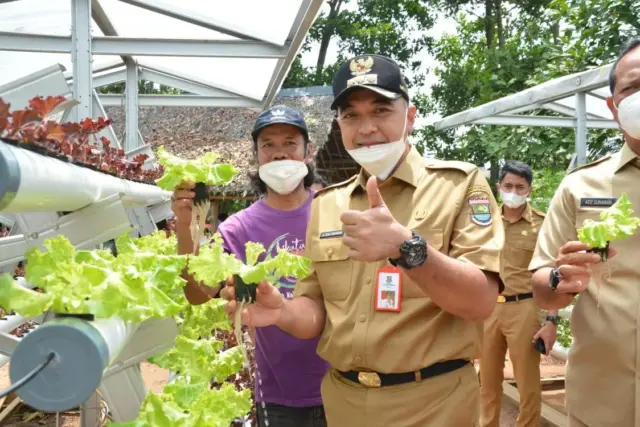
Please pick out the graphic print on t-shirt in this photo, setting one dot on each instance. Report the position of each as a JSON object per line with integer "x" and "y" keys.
{"x": 286, "y": 285}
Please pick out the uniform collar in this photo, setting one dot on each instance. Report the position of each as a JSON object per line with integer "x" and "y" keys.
{"x": 527, "y": 214}
{"x": 409, "y": 171}
{"x": 627, "y": 155}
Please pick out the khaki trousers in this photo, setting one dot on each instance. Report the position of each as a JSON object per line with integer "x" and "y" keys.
{"x": 448, "y": 400}
{"x": 512, "y": 325}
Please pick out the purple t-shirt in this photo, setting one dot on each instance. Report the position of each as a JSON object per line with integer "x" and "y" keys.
{"x": 289, "y": 371}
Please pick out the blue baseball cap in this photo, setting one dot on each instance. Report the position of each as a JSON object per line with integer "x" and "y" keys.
{"x": 279, "y": 114}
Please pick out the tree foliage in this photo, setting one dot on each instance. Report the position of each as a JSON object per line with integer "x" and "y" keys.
{"x": 145, "y": 87}
{"x": 508, "y": 47}
{"x": 395, "y": 28}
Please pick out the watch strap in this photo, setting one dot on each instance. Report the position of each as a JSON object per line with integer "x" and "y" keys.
{"x": 406, "y": 246}
{"x": 552, "y": 319}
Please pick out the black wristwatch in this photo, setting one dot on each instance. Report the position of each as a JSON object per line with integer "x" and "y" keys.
{"x": 553, "y": 319}
{"x": 554, "y": 279}
{"x": 413, "y": 253}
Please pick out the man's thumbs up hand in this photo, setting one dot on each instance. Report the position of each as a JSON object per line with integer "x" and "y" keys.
{"x": 373, "y": 234}
{"x": 375, "y": 198}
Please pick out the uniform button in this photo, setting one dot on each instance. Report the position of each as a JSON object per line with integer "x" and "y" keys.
{"x": 368, "y": 280}
{"x": 362, "y": 318}
{"x": 330, "y": 252}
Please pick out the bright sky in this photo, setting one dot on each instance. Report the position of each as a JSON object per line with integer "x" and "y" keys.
{"x": 443, "y": 26}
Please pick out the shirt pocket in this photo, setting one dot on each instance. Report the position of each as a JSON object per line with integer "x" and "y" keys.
{"x": 333, "y": 267}
{"x": 519, "y": 252}
{"x": 411, "y": 289}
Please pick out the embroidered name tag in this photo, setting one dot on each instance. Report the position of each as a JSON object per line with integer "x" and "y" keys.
{"x": 332, "y": 234}
{"x": 597, "y": 202}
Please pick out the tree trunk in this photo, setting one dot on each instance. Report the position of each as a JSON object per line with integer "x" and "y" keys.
{"x": 555, "y": 30}
{"x": 500, "y": 27}
{"x": 327, "y": 33}
{"x": 488, "y": 22}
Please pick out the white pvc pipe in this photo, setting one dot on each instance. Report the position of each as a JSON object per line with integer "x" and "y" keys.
{"x": 115, "y": 332}
{"x": 12, "y": 322}
{"x": 560, "y": 352}
{"x": 30, "y": 182}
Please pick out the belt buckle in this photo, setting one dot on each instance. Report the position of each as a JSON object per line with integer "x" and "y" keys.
{"x": 369, "y": 379}
{"x": 501, "y": 299}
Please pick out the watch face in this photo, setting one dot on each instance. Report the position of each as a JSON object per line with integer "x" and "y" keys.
{"x": 416, "y": 254}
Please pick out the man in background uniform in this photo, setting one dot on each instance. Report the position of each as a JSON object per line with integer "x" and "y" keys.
{"x": 603, "y": 371}
{"x": 434, "y": 227}
{"x": 515, "y": 322}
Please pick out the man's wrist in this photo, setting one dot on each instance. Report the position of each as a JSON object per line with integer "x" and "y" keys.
{"x": 404, "y": 234}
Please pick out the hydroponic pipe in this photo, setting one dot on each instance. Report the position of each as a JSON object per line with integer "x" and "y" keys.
{"x": 560, "y": 352}
{"x": 83, "y": 350}
{"x": 30, "y": 182}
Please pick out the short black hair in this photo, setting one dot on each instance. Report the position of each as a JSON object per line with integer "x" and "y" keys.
{"x": 515, "y": 167}
{"x": 222, "y": 216}
{"x": 632, "y": 45}
{"x": 321, "y": 179}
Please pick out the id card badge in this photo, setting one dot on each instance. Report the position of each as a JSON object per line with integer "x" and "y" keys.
{"x": 389, "y": 289}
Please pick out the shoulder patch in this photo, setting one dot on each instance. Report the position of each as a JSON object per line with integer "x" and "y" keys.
{"x": 480, "y": 211}
{"x": 451, "y": 164}
{"x": 332, "y": 186}
{"x": 588, "y": 165}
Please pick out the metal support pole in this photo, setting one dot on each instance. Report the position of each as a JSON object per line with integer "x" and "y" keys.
{"x": 81, "y": 57}
{"x": 581, "y": 128}
{"x": 131, "y": 107}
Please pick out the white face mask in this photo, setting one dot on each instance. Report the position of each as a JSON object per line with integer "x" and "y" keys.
{"x": 379, "y": 160}
{"x": 629, "y": 115}
{"x": 283, "y": 176}
{"x": 512, "y": 200}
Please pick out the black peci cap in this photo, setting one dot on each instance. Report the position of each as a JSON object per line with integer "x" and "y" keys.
{"x": 279, "y": 114}
{"x": 374, "y": 72}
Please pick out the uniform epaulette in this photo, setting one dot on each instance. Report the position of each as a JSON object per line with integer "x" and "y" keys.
{"x": 588, "y": 165}
{"x": 538, "y": 212}
{"x": 332, "y": 186}
{"x": 451, "y": 164}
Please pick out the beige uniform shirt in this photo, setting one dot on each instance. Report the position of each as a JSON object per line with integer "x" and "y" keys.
{"x": 603, "y": 373}
{"x": 519, "y": 242}
{"x": 434, "y": 198}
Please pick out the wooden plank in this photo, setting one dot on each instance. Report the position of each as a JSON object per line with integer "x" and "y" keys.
{"x": 549, "y": 414}
{"x": 9, "y": 409}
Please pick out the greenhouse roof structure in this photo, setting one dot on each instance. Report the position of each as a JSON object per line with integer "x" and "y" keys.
{"x": 220, "y": 53}
{"x": 578, "y": 99}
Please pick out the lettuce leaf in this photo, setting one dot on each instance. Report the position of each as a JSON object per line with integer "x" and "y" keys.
{"x": 212, "y": 265}
{"x": 138, "y": 284}
{"x": 144, "y": 281}
{"x": 202, "y": 170}
{"x": 617, "y": 223}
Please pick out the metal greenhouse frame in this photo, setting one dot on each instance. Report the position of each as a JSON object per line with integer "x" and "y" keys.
{"x": 579, "y": 98}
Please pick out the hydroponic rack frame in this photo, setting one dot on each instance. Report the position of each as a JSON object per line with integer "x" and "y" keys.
{"x": 115, "y": 207}
{"x": 578, "y": 97}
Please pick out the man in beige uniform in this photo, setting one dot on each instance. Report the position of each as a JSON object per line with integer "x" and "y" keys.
{"x": 603, "y": 373}
{"x": 406, "y": 365}
{"x": 515, "y": 322}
